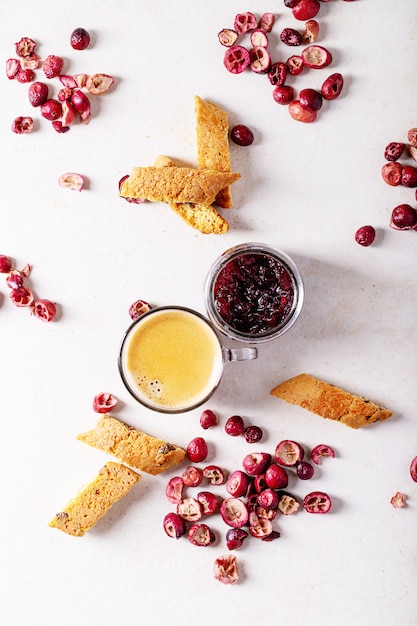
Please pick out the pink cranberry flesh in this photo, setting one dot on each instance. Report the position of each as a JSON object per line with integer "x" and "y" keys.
{"x": 236, "y": 59}
{"x": 37, "y": 93}
{"x": 413, "y": 469}
{"x": 79, "y": 39}
{"x": 174, "y": 489}
{"x": 288, "y": 453}
{"x": 305, "y": 470}
{"x": 12, "y": 68}
{"x": 138, "y": 308}
{"x": 44, "y": 310}
{"x": 295, "y": 64}
{"x": 235, "y": 426}
{"x": 25, "y": 47}
{"x": 288, "y": 504}
{"x": 209, "y": 502}
{"x": 277, "y": 73}
{"x": 260, "y": 527}
{"x": 200, "y": 535}
{"x": 332, "y": 86}
{"x": 22, "y": 125}
{"x": 291, "y": 37}
{"x": 15, "y": 279}
{"x": 412, "y": 136}
{"x": 409, "y": 176}
{"x": 266, "y": 22}
{"x": 226, "y": 570}
{"x": 316, "y": 57}
{"x": 256, "y": 463}
{"x": 306, "y": 9}
{"x": 241, "y": 135}
{"x": 319, "y": 451}
{"x": 190, "y": 509}
{"x": 52, "y": 66}
{"x": 51, "y": 109}
{"x": 5, "y": 264}
{"x": 192, "y": 476}
{"x": 227, "y": 37}
{"x": 214, "y": 474}
{"x": 311, "y": 98}
{"x": 197, "y": 450}
{"x": 208, "y": 419}
{"x": 276, "y": 477}
{"x": 394, "y": 151}
{"x": 174, "y": 525}
{"x": 317, "y": 502}
{"x": 301, "y": 113}
{"x": 283, "y": 94}
{"x": 398, "y": 500}
{"x": 391, "y": 173}
{"x": 265, "y": 513}
{"x": 235, "y": 538}
{"x": 259, "y": 60}
{"x": 244, "y": 22}
{"x": 403, "y": 217}
{"x": 22, "y": 297}
{"x": 259, "y": 38}
{"x": 365, "y": 235}
{"x": 234, "y": 512}
{"x": 253, "y": 434}
{"x": 237, "y": 484}
{"x": 104, "y": 402}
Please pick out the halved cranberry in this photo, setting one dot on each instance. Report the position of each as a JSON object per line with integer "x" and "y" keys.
{"x": 244, "y": 22}
{"x": 311, "y": 32}
{"x": 174, "y": 489}
{"x": 235, "y": 426}
{"x": 192, "y": 476}
{"x": 5, "y": 264}
{"x": 301, "y": 113}
{"x": 289, "y": 453}
{"x": 201, "y": 535}
{"x": 234, "y": 512}
{"x": 21, "y": 297}
{"x": 259, "y": 60}
{"x": 413, "y": 469}
{"x": 365, "y": 235}
{"x": 391, "y": 173}
{"x": 394, "y": 150}
{"x": 316, "y": 57}
{"x": 288, "y": 504}
{"x": 277, "y": 73}
{"x": 227, "y": 37}
{"x": 174, "y": 525}
{"x": 283, "y": 94}
{"x": 138, "y": 308}
{"x": 209, "y": 502}
{"x": 403, "y": 217}
{"x": 214, "y": 474}
{"x": 332, "y": 86}
{"x": 236, "y": 59}
{"x": 412, "y": 136}
{"x": 321, "y": 450}
{"x": 259, "y": 38}
{"x": 197, "y": 450}
{"x": 256, "y": 463}
{"x": 208, "y": 419}
{"x": 291, "y": 37}
{"x": 235, "y": 538}
{"x": 190, "y": 509}
{"x": 226, "y": 570}
{"x": 260, "y": 527}
{"x": 295, "y": 64}
{"x": 317, "y": 502}
{"x": 104, "y": 402}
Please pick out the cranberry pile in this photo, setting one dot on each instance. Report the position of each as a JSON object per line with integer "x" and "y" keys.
{"x": 254, "y": 293}
{"x": 256, "y": 493}
{"x": 257, "y": 57}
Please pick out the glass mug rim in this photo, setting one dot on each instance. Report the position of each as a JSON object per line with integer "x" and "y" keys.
{"x": 225, "y": 355}
{"x": 254, "y": 248}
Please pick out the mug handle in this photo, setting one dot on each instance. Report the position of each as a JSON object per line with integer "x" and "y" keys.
{"x": 239, "y": 354}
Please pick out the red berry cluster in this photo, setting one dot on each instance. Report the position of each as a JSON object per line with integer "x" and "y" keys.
{"x": 257, "y": 58}
{"x": 396, "y": 173}
{"x": 21, "y": 295}
{"x": 71, "y": 102}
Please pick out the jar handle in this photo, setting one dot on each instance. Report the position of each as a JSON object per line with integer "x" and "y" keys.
{"x": 239, "y": 354}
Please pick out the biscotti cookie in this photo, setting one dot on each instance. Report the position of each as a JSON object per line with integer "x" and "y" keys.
{"x": 176, "y": 184}
{"x": 111, "y": 484}
{"x": 330, "y": 402}
{"x": 213, "y": 143}
{"x": 132, "y": 446}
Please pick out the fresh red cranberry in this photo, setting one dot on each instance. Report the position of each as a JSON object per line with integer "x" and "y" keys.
{"x": 391, "y": 173}
{"x": 174, "y": 525}
{"x": 234, "y": 512}
{"x": 291, "y": 37}
{"x": 51, "y": 109}
{"x": 295, "y": 64}
{"x": 321, "y": 450}
{"x": 197, "y": 450}
{"x": 306, "y": 9}
{"x": 244, "y": 22}
{"x": 37, "y": 93}
{"x": 236, "y": 59}
{"x": 403, "y": 217}
{"x": 237, "y": 484}
{"x": 192, "y": 476}
{"x": 253, "y": 434}
{"x": 235, "y": 538}
{"x": 301, "y": 113}
{"x": 413, "y": 469}
{"x": 365, "y": 235}
{"x": 5, "y": 264}
{"x": 80, "y": 39}
{"x": 394, "y": 151}
{"x": 174, "y": 489}
{"x": 317, "y": 502}
{"x": 277, "y": 73}
{"x": 256, "y": 463}
{"x": 288, "y": 453}
{"x": 208, "y": 419}
{"x": 104, "y": 402}
{"x": 209, "y": 502}
{"x": 200, "y": 535}
{"x": 190, "y": 509}
{"x": 283, "y": 94}
{"x": 311, "y": 99}
{"x": 276, "y": 477}
{"x": 332, "y": 86}
{"x": 214, "y": 474}
{"x": 241, "y": 135}
{"x": 235, "y": 426}
{"x": 305, "y": 470}
{"x": 409, "y": 176}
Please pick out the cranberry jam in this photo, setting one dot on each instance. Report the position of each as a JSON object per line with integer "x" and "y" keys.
{"x": 254, "y": 293}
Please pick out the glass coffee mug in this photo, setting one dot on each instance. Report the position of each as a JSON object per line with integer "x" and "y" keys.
{"x": 172, "y": 359}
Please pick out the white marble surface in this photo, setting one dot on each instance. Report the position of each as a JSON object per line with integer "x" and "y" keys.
{"x": 304, "y": 189}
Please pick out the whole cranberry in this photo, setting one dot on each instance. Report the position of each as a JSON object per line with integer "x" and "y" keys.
{"x": 37, "y": 93}
{"x": 394, "y": 150}
{"x": 332, "y": 86}
{"x": 80, "y": 39}
{"x": 197, "y": 450}
{"x": 306, "y": 9}
{"x": 235, "y": 426}
{"x": 241, "y": 135}
{"x": 51, "y": 109}
{"x": 403, "y": 217}
{"x": 365, "y": 235}
{"x": 208, "y": 419}
{"x": 253, "y": 434}
{"x": 311, "y": 98}
{"x": 276, "y": 477}
{"x": 5, "y": 264}
{"x": 409, "y": 176}
{"x": 283, "y": 94}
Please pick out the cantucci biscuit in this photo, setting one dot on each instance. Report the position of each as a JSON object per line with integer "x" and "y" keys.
{"x": 202, "y": 217}
{"x": 213, "y": 143}
{"x": 176, "y": 184}
{"x": 132, "y": 446}
{"x": 111, "y": 484}
{"x": 330, "y": 402}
